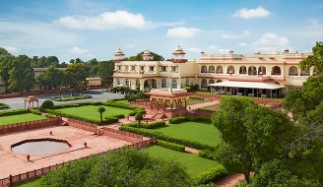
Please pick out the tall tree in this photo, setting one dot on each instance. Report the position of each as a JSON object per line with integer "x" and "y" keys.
{"x": 21, "y": 75}
{"x": 75, "y": 75}
{"x": 106, "y": 71}
{"x": 315, "y": 60}
{"x": 6, "y": 60}
{"x": 252, "y": 134}
{"x": 52, "y": 78}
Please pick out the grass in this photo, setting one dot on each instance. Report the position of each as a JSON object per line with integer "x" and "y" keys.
{"x": 192, "y": 162}
{"x": 212, "y": 107}
{"x": 125, "y": 102}
{"x": 91, "y": 111}
{"x": 71, "y": 98}
{"x": 5, "y": 120}
{"x": 30, "y": 183}
{"x": 195, "y": 101}
{"x": 200, "y": 132}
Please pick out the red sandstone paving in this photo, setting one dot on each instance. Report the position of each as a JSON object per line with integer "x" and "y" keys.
{"x": 230, "y": 180}
{"x": 14, "y": 163}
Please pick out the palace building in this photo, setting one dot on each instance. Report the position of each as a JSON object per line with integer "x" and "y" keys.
{"x": 260, "y": 75}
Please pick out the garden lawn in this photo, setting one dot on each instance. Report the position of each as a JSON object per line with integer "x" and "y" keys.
{"x": 91, "y": 111}
{"x": 5, "y": 120}
{"x": 195, "y": 101}
{"x": 192, "y": 162}
{"x": 125, "y": 102}
{"x": 204, "y": 133}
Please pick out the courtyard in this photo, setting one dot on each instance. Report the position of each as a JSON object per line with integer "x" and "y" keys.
{"x": 15, "y": 163}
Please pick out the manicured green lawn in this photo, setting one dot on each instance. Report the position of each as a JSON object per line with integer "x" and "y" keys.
{"x": 200, "y": 132}
{"x": 192, "y": 162}
{"x": 91, "y": 111}
{"x": 126, "y": 102}
{"x": 5, "y": 120}
{"x": 195, "y": 101}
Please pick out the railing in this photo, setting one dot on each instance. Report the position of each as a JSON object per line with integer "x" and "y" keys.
{"x": 29, "y": 125}
{"x": 12, "y": 179}
{"x": 122, "y": 133}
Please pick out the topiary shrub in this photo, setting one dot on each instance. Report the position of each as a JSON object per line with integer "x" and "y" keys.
{"x": 170, "y": 145}
{"x": 48, "y": 104}
{"x": 3, "y": 106}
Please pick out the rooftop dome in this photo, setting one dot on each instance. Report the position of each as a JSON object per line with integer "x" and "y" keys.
{"x": 147, "y": 56}
{"x": 119, "y": 52}
{"x": 179, "y": 51}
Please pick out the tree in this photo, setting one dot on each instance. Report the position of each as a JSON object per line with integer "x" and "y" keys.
{"x": 138, "y": 118}
{"x": 52, "y": 78}
{"x": 252, "y": 134}
{"x": 101, "y": 110}
{"x": 127, "y": 167}
{"x": 21, "y": 75}
{"x": 139, "y": 57}
{"x": 75, "y": 75}
{"x": 105, "y": 71}
{"x": 315, "y": 60}
{"x": 6, "y": 60}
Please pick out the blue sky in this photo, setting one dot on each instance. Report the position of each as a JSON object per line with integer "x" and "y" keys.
{"x": 96, "y": 28}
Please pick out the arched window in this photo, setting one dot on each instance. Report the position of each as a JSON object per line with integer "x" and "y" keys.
{"x": 252, "y": 70}
{"x": 219, "y": 81}
{"x": 204, "y": 69}
{"x": 276, "y": 71}
{"x": 153, "y": 83}
{"x": 230, "y": 70}
{"x": 262, "y": 70}
{"x": 219, "y": 69}
{"x": 204, "y": 83}
{"x": 305, "y": 72}
{"x": 211, "y": 69}
{"x": 242, "y": 70}
{"x": 163, "y": 83}
{"x": 127, "y": 83}
{"x": 187, "y": 82}
{"x": 174, "y": 83}
{"x": 292, "y": 71}
{"x": 211, "y": 81}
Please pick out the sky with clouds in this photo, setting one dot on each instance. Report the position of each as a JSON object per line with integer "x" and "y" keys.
{"x": 89, "y": 29}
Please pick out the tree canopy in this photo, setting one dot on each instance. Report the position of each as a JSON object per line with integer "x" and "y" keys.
{"x": 130, "y": 168}
{"x": 315, "y": 60}
{"x": 139, "y": 57}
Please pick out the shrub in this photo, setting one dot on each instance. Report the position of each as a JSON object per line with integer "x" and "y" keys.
{"x": 13, "y": 112}
{"x": 3, "y": 106}
{"x": 197, "y": 98}
{"x": 155, "y": 125}
{"x": 177, "y": 120}
{"x": 173, "y": 146}
{"x": 50, "y": 115}
{"x": 198, "y": 119}
{"x": 211, "y": 175}
{"x": 207, "y": 154}
{"x": 37, "y": 112}
{"x": 47, "y": 104}
{"x": 119, "y": 116}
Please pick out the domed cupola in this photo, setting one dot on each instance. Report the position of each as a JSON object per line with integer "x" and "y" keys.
{"x": 178, "y": 55}
{"x": 147, "y": 56}
{"x": 119, "y": 55}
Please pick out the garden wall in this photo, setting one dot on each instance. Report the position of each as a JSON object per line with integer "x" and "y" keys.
{"x": 29, "y": 125}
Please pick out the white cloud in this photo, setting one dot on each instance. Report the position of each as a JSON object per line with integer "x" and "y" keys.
{"x": 106, "y": 20}
{"x": 242, "y": 44}
{"x": 194, "y": 49}
{"x": 182, "y": 32}
{"x": 10, "y": 49}
{"x": 80, "y": 51}
{"x": 271, "y": 42}
{"x": 251, "y": 13}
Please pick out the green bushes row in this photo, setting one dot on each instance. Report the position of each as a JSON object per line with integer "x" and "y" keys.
{"x": 207, "y": 154}
{"x": 173, "y": 146}
{"x": 211, "y": 175}
{"x": 72, "y": 98}
{"x": 206, "y": 109}
{"x": 154, "y": 125}
{"x": 107, "y": 120}
{"x": 161, "y": 136}
{"x": 181, "y": 119}
{"x": 3, "y": 106}
{"x": 37, "y": 112}
{"x": 13, "y": 112}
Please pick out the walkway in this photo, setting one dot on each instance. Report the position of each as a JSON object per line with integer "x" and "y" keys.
{"x": 201, "y": 105}
{"x": 230, "y": 180}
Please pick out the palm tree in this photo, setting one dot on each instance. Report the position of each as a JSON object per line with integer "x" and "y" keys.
{"x": 101, "y": 110}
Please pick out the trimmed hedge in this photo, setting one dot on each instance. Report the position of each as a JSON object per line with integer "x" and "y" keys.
{"x": 13, "y": 112}
{"x": 47, "y": 104}
{"x": 211, "y": 175}
{"x": 207, "y": 154}
{"x": 3, "y": 106}
{"x": 197, "y": 98}
{"x": 154, "y": 125}
{"x": 37, "y": 112}
{"x": 173, "y": 146}
{"x": 68, "y": 98}
{"x": 159, "y": 135}
{"x": 181, "y": 119}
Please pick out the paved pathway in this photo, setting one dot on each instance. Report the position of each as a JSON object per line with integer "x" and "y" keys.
{"x": 230, "y": 180}
{"x": 97, "y": 95}
{"x": 200, "y": 105}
